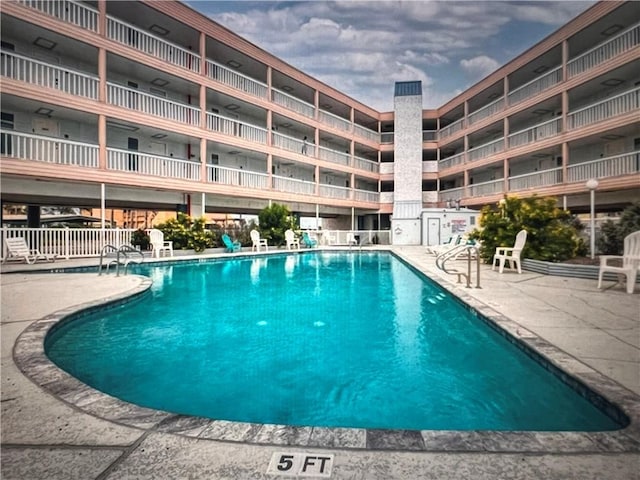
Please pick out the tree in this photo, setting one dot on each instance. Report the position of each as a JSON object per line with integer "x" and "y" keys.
{"x": 611, "y": 240}
{"x": 273, "y": 221}
{"x": 551, "y": 233}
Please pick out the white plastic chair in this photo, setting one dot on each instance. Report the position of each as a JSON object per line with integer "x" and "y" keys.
{"x": 257, "y": 241}
{"x": 158, "y": 244}
{"x": 17, "y": 249}
{"x": 510, "y": 254}
{"x": 630, "y": 259}
{"x": 292, "y": 241}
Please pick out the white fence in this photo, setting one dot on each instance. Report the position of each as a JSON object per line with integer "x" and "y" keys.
{"x": 168, "y": 167}
{"x": 236, "y": 80}
{"x": 68, "y": 11}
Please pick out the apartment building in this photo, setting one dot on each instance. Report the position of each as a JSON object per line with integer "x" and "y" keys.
{"x": 151, "y": 105}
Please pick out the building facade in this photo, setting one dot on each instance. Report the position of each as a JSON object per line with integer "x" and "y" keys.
{"x": 150, "y": 105}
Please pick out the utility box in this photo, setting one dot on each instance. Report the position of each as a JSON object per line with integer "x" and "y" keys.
{"x": 439, "y": 224}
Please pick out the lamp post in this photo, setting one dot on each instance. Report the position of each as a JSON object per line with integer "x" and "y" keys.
{"x": 592, "y": 184}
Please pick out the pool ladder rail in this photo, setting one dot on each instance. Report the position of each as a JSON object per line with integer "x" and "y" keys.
{"x": 467, "y": 251}
{"x": 122, "y": 255}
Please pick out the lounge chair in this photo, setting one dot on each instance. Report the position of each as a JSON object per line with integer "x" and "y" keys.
{"x": 308, "y": 241}
{"x": 292, "y": 241}
{"x": 452, "y": 242}
{"x": 230, "y": 245}
{"x": 510, "y": 254}
{"x": 17, "y": 249}
{"x": 159, "y": 245}
{"x": 628, "y": 262}
{"x": 257, "y": 241}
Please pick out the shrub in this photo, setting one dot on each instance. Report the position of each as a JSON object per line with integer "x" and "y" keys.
{"x": 186, "y": 232}
{"x": 274, "y": 221}
{"x": 140, "y": 239}
{"x": 611, "y": 240}
{"x": 551, "y": 235}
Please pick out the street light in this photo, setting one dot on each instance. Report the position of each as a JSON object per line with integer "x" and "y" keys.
{"x": 592, "y": 184}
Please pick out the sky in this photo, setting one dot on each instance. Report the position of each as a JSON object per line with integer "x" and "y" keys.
{"x": 363, "y": 48}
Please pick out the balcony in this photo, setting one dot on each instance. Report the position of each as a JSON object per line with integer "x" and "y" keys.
{"x": 457, "y": 159}
{"x": 236, "y": 80}
{"x": 486, "y": 150}
{"x": 68, "y": 11}
{"x": 293, "y": 185}
{"x": 450, "y": 129}
{"x": 363, "y": 132}
{"x": 535, "y": 86}
{"x": 364, "y": 164}
{"x": 486, "y": 188}
{"x": 236, "y": 128}
{"x": 538, "y": 132}
{"x": 237, "y": 177}
{"x": 292, "y": 103}
{"x": 334, "y": 121}
{"x": 487, "y": 111}
{"x": 451, "y": 194}
{"x": 429, "y": 135}
{"x": 333, "y": 156}
{"x": 615, "y": 166}
{"x": 35, "y": 72}
{"x": 366, "y": 196}
{"x": 333, "y": 191}
{"x": 544, "y": 178}
{"x": 145, "y": 164}
{"x": 625, "y": 102}
{"x": 623, "y": 42}
{"x": 48, "y": 149}
{"x": 285, "y": 142}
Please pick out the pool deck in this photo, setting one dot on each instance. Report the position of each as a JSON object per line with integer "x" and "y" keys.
{"x": 54, "y": 428}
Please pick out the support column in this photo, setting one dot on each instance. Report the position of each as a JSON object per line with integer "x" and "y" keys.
{"x": 103, "y": 205}
{"x": 33, "y": 216}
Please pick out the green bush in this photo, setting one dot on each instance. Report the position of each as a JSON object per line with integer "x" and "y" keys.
{"x": 140, "y": 239}
{"x": 611, "y": 239}
{"x": 274, "y": 221}
{"x": 551, "y": 234}
{"x": 186, "y": 232}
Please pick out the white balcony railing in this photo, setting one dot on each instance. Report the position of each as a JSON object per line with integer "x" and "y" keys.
{"x": 450, "y": 129}
{"x": 291, "y": 144}
{"x": 69, "y": 242}
{"x": 367, "y": 133}
{"x": 624, "y": 164}
{"x": 236, "y": 80}
{"x": 457, "y": 159}
{"x": 145, "y": 42}
{"x": 292, "y": 103}
{"x": 535, "y": 86}
{"x": 235, "y": 176}
{"x": 386, "y": 137}
{"x": 544, "y": 178}
{"x": 622, "y": 42}
{"x": 333, "y": 156}
{"x": 334, "y": 121}
{"x": 146, "y": 164}
{"x": 236, "y": 128}
{"x": 47, "y": 149}
{"x": 292, "y": 185}
{"x": 611, "y": 107}
{"x": 429, "y": 135}
{"x": 334, "y": 191}
{"x": 366, "y": 196}
{"x": 486, "y": 150}
{"x": 150, "y": 104}
{"x": 538, "y": 132}
{"x": 486, "y": 111}
{"x": 68, "y": 11}
{"x": 39, "y": 73}
{"x": 364, "y": 164}
{"x": 429, "y": 166}
{"x": 386, "y": 167}
{"x": 486, "y": 188}
{"x": 451, "y": 194}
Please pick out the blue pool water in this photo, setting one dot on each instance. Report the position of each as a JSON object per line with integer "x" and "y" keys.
{"x": 321, "y": 338}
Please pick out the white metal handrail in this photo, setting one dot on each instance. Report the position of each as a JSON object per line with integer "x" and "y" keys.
{"x": 48, "y": 149}
{"x": 150, "y": 44}
{"x": 366, "y": 195}
{"x": 35, "y": 72}
{"x": 293, "y": 185}
{"x": 147, "y": 164}
{"x": 617, "y": 165}
{"x": 450, "y": 129}
{"x": 335, "y": 121}
{"x": 291, "y": 144}
{"x": 457, "y": 159}
{"x": 333, "y": 156}
{"x": 334, "y": 191}
{"x": 292, "y": 103}
{"x": 486, "y": 111}
{"x": 543, "y": 130}
{"x": 483, "y": 151}
{"x": 365, "y": 132}
{"x": 152, "y": 105}
{"x": 365, "y": 164}
{"x": 237, "y": 80}
{"x": 535, "y": 86}
{"x": 610, "y": 107}
{"x": 543, "y": 178}
{"x": 236, "y": 128}
{"x": 451, "y": 194}
{"x": 235, "y": 176}
{"x": 68, "y": 11}
{"x": 486, "y": 188}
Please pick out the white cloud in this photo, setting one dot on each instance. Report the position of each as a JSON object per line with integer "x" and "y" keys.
{"x": 479, "y": 67}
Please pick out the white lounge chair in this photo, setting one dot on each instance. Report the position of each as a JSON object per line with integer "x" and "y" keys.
{"x": 453, "y": 241}
{"x": 510, "y": 254}
{"x": 257, "y": 241}
{"x": 17, "y": 249}
{"x": 159, "y": 245}
{"x": 291, "y": 239}
{"x": 630, "y": 262}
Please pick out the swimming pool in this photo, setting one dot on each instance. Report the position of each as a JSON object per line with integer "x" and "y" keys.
{"x": 320, "y": 338}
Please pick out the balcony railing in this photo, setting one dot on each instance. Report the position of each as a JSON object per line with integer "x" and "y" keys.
{"x": 143, "y": 41}
{"x": 236, "y": 128}
{"x": 156, "y": 165}
{"x": 291, "y": 144}
{"x": 235, "y": 176}
{"x": 457, "y": 159}
{"x": 611, "y": 107}
{"x": 624, "y": 164}
{"x": 485, "y": 150}
{"x": 429, "y": 135}
{"x": 544, "y": 178}
{"x": 451, "y": 194}
{"x": 364, "y": 164}
{"x": 429, "y": 166}
{"x": 68, "y": 11}
{"x": 538, "y": 132}
{"x": 386, "y": 137}
{"x": 46, "y": 75}
{"x": 450, "y": 129}
{"x": 334, "y": 121}
{"x": 334, "y": 191}
{"x": 486, "y": 188}
{"x": 292, "y": 185}
{"x": 386, "y": 167}
{"x": 292, "y": 103}
{"x": 366, "y": 196}
{"x": 613, "y": 47}
{"x": 535, "y": 86}
{"x": 150, "y": 104}
{"x": 47, "y": 149}
{"x": 333, "y": 156}
{"x": 486, "y": 111}
{"x": 236, "y": 80}
{"x": 367, "y": 133}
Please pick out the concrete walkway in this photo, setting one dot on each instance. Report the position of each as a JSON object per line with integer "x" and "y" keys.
{"x": 55, "y": 428}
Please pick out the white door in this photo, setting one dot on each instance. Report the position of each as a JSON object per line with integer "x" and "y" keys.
{"x": 432, "y": 232}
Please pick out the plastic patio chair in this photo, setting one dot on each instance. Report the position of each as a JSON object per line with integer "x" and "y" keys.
{"x": 308, "y": 241}
{"x": 510, "y": 254}
{"x": 230, "y": 245}
{"x": 291, "y": 240}
{"x": 17, "y": 249}
{"x": 158, "y": 244}
{"x": 257, "y": 241}
{"x": 630, "y": 260}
